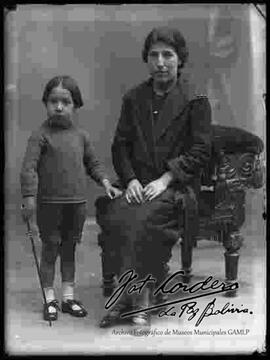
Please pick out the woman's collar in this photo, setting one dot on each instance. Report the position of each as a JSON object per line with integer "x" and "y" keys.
{"x": 161, "y": 93}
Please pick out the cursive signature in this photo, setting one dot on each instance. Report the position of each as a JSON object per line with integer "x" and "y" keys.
{"x": 127, "y": 283}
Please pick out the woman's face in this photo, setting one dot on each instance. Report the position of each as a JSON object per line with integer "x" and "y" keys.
{"x": 60, "y": 106}
{"x": 163, "y": 62}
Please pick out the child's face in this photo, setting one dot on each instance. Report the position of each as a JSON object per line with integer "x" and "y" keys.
{"x": 60, "y": 106}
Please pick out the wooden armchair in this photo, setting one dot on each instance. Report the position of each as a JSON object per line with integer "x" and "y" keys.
{"x": 234, "y": 167}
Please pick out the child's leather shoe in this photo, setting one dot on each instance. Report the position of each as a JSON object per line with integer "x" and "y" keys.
{"x": 67, "y": 307}
{"x": 50, "y": 316}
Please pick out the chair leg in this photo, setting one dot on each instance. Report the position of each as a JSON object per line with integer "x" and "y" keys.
{"x": 186, "y": 258}
{"x": 232, "y": 242}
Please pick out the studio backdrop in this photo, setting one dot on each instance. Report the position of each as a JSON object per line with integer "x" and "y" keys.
{"x": 100, "y": 46}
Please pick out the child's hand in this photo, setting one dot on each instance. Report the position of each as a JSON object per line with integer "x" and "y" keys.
{"x": 111, "y": 191}
{"x": 28, "y": 208}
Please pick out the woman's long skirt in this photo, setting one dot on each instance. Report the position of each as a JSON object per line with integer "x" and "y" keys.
{"x": 141, "y": 235}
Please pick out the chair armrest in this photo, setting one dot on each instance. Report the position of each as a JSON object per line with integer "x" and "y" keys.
{"x": 240, "y": 171}
{"x": 236, "y": 160}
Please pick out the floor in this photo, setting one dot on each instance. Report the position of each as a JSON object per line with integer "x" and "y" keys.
{"x": 232, "y": 333}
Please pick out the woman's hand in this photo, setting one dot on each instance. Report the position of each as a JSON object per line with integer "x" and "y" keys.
{"x": 157, "y": 187}
{"x": 28, "y": 208}
{"x": 111, "y": 191}
{"x": 134, "y": 192}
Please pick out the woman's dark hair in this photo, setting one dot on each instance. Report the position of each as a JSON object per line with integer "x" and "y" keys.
{"x": 169, "y": 36}
{"x": 68, "y": 83}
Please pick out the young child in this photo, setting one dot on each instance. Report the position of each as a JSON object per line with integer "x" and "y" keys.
{"x": 53, "y": 181}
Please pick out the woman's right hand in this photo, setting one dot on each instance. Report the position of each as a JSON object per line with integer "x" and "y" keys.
{"x": 134, "y": 192}
{"x": 28, "y": 208}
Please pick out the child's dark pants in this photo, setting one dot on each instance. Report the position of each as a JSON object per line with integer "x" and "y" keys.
{"x": 60, "y": 227}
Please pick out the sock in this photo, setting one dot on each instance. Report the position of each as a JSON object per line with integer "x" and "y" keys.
{"x": 50, "y": 296}
{"x": 68, "y": 293}
{"x": 67, "y": 290}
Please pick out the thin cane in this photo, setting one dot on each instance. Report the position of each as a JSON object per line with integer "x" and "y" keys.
{"x": 29, "y": 233}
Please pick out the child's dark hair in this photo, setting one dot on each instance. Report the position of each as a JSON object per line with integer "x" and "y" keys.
{"x": 169, "y": 36}
{"x": 68, "y": 83}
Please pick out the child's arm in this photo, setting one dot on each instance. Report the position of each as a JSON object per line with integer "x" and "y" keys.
{"x": 95, "y": 169}
{"x": 29, "y": 176}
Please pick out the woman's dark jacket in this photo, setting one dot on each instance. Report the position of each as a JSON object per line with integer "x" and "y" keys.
{"x": 179, "y": 141}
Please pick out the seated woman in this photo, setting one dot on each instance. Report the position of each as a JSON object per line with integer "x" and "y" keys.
{"x": 161, "y": 143}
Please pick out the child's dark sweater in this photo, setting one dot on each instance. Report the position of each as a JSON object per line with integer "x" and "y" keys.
{"x": 55, "y": 165}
